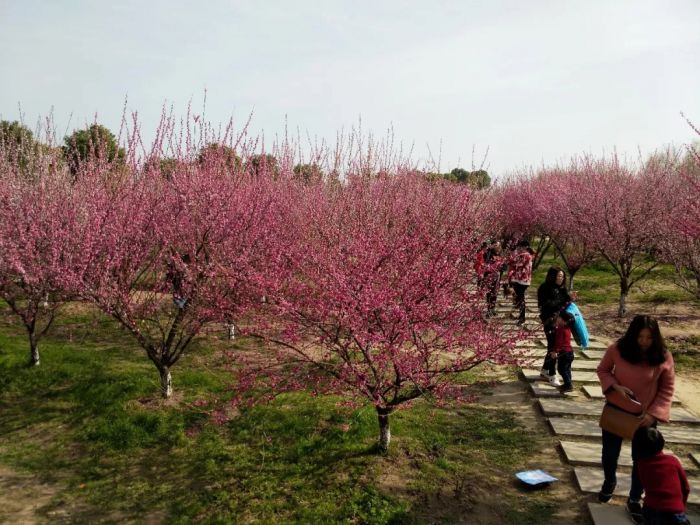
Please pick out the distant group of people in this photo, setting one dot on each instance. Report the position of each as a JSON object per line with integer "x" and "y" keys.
{"x": 636, "y": 375}
{"x": 492, "y": 262}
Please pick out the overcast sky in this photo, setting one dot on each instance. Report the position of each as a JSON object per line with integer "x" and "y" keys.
{"x": 535, "y": 81}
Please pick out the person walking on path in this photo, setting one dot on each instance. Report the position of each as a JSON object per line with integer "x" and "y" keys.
{"x": 636, "y": 371}
{"x": 493, "y": 266}
{"x": 552, "y": 297}
{"x": 563, "y": 352}
{"x": 521, "y": 276}
{"x": 665, "y": 483}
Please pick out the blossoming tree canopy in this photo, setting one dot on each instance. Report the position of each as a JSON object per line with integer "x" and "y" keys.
{"x": 38, "y": 222}
{"x": 378, "y": 303}
{"x": 171, "y": 253}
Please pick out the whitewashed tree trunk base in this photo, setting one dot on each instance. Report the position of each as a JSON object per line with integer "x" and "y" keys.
{"x": 34, "y": 359}
{"x": 166, "y": 383}
{"x": 384, "y": 431}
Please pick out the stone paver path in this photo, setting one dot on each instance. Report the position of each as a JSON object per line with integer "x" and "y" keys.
{"x": 574, "y": 417}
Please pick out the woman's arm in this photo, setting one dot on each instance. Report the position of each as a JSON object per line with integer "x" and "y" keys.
{"x": 605, "y": 368}
{"x": 660, "y": 407}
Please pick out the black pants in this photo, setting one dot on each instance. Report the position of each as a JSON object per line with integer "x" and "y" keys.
{"x": 564, "y": 361}
{"x": 520, "y": 299}
{"x": 491, "y": 281}
{"x": 549, "y": 364}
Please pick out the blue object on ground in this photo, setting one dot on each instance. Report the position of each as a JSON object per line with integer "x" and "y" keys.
{"x": 535, "y": 477}
{"x": 578, "y": 328}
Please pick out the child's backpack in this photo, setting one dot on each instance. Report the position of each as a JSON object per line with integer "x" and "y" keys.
{"x": 578, "y": 327}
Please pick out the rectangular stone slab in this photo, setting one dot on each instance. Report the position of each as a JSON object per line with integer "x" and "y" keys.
{"x": 578, "y": 376}
{"x": 696, "y": 458}
{"x": 595, "y": 392}
{"x": 559, "y": 407}
{"x": 609, "y": 514}
{"x": 583, "y": 364}
{"x": 563, "y": 407}
{"x": 587, "y": 453}
{"x": 590, "y": 479}
{"x": 589, "y": 428}
{"x": 597, "y": 345}
{"x": 593, "y": 354}
{"x": 544, "y": 390}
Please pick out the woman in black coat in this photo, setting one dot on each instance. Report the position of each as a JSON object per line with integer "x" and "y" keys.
{"x": 552, "y": 297}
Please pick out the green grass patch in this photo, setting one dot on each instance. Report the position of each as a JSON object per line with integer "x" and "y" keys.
{"x": 597, "y": 283}
{"x": 686, "y": 353}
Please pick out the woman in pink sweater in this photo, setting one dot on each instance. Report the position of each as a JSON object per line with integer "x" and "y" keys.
{"x": 636, "y": 375}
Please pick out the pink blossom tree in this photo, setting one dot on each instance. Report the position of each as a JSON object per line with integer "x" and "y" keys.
{"x": 562, "y": 191}
{"x": 623, "y": 217}
{"x": 37, "y": 227}
{"x": 169, "y": 252}
{"x": 523, "y": 211}
{"x": 375, "y": 299}
{"x": 690, "y": 220}
{"x": 680, "y": 238}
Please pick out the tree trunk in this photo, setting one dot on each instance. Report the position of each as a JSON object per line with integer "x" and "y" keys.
{"x": 384, "y": 430}
{"x": 697, "y": 290}
{"x": 572, "y": 273}
{"x": 542, "y": 248}
{"x": 166, "y": 382}
{"x": 624, "y": 290}
{"x": 33, "y": 351}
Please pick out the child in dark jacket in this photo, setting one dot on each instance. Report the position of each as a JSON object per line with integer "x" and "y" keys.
{"x": 563, "y": 352}
{"x": 665, "y": 484}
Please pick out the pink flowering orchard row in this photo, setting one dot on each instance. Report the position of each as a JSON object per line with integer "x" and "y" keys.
{"x": 361, "y": 288}
{"x": 632, "y": 217}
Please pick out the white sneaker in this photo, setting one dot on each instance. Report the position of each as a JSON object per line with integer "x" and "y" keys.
{"x": 544, "y": 374}
{"x": 554, "y": 381}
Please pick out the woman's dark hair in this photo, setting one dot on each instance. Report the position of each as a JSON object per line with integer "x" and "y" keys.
{"x": 629, "y": 347}
{"x": 551, "y": 278}
{"x": 568, "y": 318}
{"x": 523, "y": 243}
{"x": 648, "y": 441}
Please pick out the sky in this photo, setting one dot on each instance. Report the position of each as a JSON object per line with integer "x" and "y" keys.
{"x": 534, "y": 82}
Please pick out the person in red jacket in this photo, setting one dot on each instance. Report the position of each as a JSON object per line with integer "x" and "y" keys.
{"x": 520, "y": 275}
{"x": 563, "y": 352}
{"x": 665, "y": 484}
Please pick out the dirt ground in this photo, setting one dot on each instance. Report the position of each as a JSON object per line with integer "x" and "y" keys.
{"x": 21, "y": 495}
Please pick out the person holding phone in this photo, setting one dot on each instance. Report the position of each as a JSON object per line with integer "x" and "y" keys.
{"x": 636, "y": 375}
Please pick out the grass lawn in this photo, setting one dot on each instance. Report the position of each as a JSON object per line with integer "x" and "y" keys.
{"x": 89, "y": 423}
